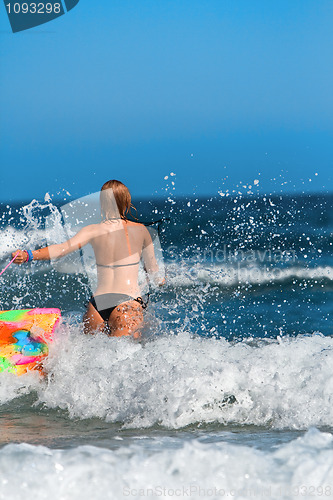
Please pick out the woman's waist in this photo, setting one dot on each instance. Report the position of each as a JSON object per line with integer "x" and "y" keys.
{"x": 121, "y": 274}
{"x": 128, "y": 289}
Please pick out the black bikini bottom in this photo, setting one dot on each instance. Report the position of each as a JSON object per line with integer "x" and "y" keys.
{"x": 107, "y": 302}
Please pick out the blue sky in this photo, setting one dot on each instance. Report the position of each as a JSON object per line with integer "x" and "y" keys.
{"x": 219, "y": 92}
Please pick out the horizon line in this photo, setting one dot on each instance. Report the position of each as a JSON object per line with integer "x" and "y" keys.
{"x": 181, "y": 196}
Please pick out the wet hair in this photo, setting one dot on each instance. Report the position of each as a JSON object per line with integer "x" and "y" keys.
{"x": 115, "y": 200}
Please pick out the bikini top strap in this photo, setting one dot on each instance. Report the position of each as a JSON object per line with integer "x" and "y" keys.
{"x": 127, "y": 238}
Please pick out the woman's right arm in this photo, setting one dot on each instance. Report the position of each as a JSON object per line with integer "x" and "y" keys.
{"x": 57, "y": 251}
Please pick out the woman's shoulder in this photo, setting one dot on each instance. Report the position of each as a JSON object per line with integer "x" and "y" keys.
{"x": 92, "y": 229}
{"x": 138, "y": 228}
{"x": 138, "y": 225}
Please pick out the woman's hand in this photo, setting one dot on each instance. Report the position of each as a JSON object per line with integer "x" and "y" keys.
{"x": 21, "y": 257}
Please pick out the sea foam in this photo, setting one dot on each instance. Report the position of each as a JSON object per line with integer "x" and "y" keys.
{"x": 195, "y": 469}
{"x": 178, "y": 380}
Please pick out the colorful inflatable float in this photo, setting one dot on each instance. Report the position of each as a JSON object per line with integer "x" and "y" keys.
{"x": 24, "y": 338}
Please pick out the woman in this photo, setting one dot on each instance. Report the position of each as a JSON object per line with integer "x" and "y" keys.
{"x": 118, "y": 244}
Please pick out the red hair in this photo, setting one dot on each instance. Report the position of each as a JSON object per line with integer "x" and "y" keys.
{"x": 115, "y": 200}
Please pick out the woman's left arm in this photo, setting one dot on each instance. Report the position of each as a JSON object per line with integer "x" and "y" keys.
{"x": 56, "y": 251}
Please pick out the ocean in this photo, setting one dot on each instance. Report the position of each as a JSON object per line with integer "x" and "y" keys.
{"x": 229, "y": 394}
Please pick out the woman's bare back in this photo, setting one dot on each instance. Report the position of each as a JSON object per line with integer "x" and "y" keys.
{"x": 118, "y": 247}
